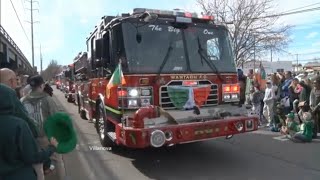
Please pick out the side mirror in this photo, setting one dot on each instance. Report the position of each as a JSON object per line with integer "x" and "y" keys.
{"x": 99, "y": 48}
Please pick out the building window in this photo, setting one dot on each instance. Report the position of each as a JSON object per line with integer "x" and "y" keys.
{"x": 280, "y": 70}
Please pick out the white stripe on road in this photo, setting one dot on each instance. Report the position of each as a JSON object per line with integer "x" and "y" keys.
{"x": 281, "y": 138}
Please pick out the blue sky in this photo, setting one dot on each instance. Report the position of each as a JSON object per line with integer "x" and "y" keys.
{"x": 65, "y": 24}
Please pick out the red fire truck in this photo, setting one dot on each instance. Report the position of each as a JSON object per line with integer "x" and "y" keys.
{"x": 81, "y": 70}
{"x": 69, "y": 89}
{"x": 178, "y": 85}
{"x": 58, "y": 81}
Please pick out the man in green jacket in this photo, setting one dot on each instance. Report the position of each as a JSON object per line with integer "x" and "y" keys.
{"x": 18, "y": 148}
{"x": 8, "y": 78}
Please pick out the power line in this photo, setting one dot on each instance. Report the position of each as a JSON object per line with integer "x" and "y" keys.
{"x": 290, "y": 53}
{"x": 310, "y": 53}
{"x": 289, "y": 13}
{"x": 22, "y": 3}
{"x": 301, "y": 7}
{"x": 20, "y": 21}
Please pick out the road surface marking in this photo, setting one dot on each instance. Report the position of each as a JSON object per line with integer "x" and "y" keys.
{"x": 281, "y": 138}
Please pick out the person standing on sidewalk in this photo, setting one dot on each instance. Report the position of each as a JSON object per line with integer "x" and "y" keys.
{"x": 8, "y": 79}
{"x": 18, "y": 147}
{"x": 315, "y": 105}
{"x": 268, "y": 100}
{"x": 40, "y": 106}
{"x": 248, "y": 87}
{"x": 257, "y": 97}
{"x": 285, "y": 94}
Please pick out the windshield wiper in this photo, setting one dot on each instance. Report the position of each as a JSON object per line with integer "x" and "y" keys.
{"x": 165, "y": 59}
{"x": 211, "y": 65}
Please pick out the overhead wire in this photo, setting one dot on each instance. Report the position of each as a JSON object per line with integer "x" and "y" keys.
{"x": 311, "y": 53}
{"x": 289, "y": 13}
{"x": 22, "y": 3}
{"x": 301, "y": 7}
{"x": 19, "y": 21}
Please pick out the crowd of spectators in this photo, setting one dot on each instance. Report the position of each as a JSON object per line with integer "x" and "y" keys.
{"x": 284, "y": 103}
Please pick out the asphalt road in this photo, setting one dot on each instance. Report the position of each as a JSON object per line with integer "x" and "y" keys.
{"x": 253, "y": 156}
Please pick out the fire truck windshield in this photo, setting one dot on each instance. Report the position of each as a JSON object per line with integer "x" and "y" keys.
{"x": 147, "y": 54}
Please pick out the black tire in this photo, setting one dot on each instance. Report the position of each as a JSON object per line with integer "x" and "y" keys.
{"x": 70, "y": 100}
{"x": 101, "y": 126}
{"x": 83, "y": 114}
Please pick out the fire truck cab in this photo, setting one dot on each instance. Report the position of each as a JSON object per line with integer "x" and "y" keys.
{"x": 181, "y": 80}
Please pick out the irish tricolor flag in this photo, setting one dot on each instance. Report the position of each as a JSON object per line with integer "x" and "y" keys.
{"x": 117, "y": 78}
{"x": 184, "y": 97}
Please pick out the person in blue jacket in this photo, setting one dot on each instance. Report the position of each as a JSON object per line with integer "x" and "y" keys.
{"x": 285, "y": 90}
{"x": 18, "y": 147}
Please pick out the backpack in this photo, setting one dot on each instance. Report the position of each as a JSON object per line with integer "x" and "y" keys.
{"x": 34, "y": 110}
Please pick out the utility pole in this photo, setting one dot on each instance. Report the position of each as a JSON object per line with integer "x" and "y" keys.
{"x": 271, "y": 54}
{"x": 254, "y": 53}
{"x": 0, "y": 32}
{"x": 32, "y": 22}
{"x": 0, "y": 13}
{"x": 40, "y": 61}
{"x": 297, "y": 62}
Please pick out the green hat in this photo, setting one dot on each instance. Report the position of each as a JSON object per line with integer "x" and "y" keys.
{"x": 290, "y": 115}
{"x": 60, "y": 127}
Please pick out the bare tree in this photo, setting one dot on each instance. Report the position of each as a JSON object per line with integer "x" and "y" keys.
{"x": 254, "y": 26}
{"x": 53, "y": 69}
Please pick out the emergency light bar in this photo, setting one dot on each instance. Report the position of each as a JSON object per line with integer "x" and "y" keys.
{"x": 181, "y": 16}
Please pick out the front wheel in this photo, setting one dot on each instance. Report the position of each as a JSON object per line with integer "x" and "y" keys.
{"x": 101, "y": 125}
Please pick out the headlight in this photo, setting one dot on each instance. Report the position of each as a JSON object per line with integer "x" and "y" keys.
{"x": 226, "y": 96}
{"x": 135, "y": 97}
{"x": 157, "y": 138}
{"x": 133, "y": 92}
{"x": 234, "y": 96}
{"x": 132, "y": 103}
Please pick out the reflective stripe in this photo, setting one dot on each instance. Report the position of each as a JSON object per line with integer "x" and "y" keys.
{"x": 108, "y": 108}
{"x": 112, "y": 110}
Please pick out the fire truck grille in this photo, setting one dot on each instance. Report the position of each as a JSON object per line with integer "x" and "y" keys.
{"x": 165, "y": 101}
